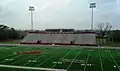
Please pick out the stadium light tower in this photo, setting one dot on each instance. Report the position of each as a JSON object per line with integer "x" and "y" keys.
{"x": 31, "y": 9}
{"x": 92, "y": 6}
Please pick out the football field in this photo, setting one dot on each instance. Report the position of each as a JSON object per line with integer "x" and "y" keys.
{"x": 55, "y": 58}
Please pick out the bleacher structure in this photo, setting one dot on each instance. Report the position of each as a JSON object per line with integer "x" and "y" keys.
{"x": 60, "y": 38}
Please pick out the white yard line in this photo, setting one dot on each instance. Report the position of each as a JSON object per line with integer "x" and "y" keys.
{"x": 11, "y": 58}
{"x": 73, "y": 60}
{"x": 7, "y": 56}
{"x": 100, "y": 61}
{"x": 32, "y": 68}
{"x": 21, "y": 59}
{"x": 16, "y": 56}
{"x": 45, "y": 61}
{"x": 62, "y": 57}
{"x": 34, "y": 59}
{"x": 37, "y": 58}
{"x": 114, "y": 61}
{"x": 86, "y": 61}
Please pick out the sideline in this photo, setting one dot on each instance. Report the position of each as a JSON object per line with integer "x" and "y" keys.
{"x": 33, "y": 68}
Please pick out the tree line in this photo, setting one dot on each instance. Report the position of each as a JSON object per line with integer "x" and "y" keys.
{"x": 104, "y": 32}
{"x": 7, "y": 33}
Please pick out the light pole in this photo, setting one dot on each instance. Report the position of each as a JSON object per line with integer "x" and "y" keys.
{"x": 92, "y": 5}
{"x": 31, "y": 9}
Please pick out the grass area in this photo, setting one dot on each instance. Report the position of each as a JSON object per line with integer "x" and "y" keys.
{"x": 112, "y": 44}
{"x": 10, "y": 42}
{"x": 68, "y": 58}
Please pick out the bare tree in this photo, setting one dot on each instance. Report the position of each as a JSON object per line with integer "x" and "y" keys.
{"x": 104, "y": 30}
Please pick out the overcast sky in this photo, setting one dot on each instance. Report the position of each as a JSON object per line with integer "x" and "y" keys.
{"x": 59, "y": 13}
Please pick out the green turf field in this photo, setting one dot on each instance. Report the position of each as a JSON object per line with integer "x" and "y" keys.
{"x": 54, "y": 57}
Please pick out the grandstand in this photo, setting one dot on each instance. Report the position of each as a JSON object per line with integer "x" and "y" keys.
{"x": 60, "y": 37}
